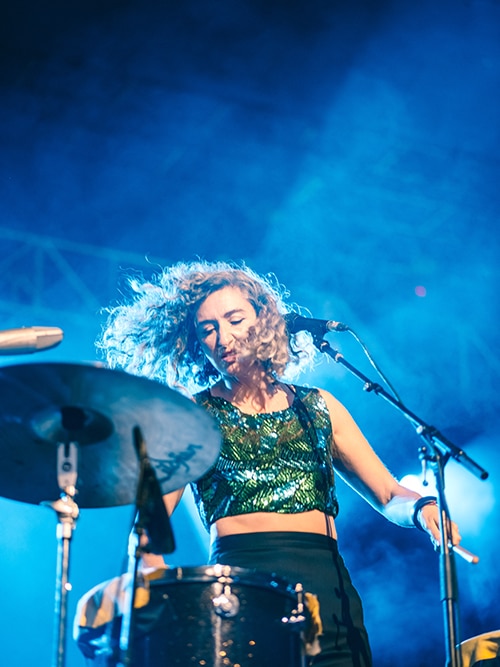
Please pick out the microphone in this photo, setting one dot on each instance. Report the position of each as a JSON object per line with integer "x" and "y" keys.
{"x": 29, "y": 339}
{"x": 295, "y": 323}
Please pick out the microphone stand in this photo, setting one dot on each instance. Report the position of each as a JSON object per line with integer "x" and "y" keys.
{"x": 437, "y": 451}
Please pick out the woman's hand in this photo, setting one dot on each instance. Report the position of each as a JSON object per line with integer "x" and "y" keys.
{"x": 428, "y": 518}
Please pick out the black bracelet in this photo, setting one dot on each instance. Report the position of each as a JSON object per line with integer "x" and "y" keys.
{"x": 422, "y": 502}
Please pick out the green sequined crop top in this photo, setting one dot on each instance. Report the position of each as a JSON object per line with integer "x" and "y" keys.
{"x": 273, "y": 462}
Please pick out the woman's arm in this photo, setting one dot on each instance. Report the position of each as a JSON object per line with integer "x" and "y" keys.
{"x": 362, "y": 469}
{"x": 172, "y": 499}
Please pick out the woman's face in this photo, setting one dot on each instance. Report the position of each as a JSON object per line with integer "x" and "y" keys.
{"x": 222, "y": 323}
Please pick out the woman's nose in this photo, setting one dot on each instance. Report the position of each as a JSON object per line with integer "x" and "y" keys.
{"x": 224, "y": 336}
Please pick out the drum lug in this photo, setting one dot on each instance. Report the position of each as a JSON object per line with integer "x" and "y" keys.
{"x": 225, "y": 602}
{"x": 297, "y": 615}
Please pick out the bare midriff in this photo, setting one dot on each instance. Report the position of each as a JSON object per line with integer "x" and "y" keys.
{"x": 314, "y": 521}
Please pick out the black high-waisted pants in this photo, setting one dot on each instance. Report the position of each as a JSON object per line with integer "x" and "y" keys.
{"x": 314, "y": 561}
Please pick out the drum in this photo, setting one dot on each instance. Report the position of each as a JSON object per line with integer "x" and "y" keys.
{"x": 219, "y": 616}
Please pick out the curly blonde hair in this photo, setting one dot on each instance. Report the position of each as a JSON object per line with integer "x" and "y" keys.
{"x": 153, "y": 335}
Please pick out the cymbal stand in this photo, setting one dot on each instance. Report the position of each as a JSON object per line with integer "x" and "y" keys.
{"x": 67, "y": 513}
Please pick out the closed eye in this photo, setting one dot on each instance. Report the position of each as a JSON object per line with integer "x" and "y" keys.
{"x": 206, "y": 331}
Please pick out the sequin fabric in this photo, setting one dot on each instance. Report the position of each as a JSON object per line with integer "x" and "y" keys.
{"x": 273, "y": 462}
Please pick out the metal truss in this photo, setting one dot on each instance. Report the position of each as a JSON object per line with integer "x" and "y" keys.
{"x": 45, "y": 277}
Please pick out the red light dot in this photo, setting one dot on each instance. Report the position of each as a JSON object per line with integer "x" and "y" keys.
{"x": 420, "y": 290}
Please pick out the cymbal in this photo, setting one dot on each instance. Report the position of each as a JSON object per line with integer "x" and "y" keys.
{"x": 43, "y": 405}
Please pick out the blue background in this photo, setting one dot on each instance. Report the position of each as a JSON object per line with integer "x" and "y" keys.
{"x": 352, "y": 148}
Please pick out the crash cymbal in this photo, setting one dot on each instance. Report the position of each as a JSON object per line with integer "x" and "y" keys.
{"x": 42, "y": 405}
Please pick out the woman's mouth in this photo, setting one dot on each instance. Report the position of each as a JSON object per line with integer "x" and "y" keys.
{"x": 228, "y": 357}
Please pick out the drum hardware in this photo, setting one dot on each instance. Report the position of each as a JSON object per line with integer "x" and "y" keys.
{"x": 72, "y": 420}
{"x": 225, "y": 603}
{"x": 65, "y": 433}
{"x": 152, "y": 521}
{"x": 297, "y": 616}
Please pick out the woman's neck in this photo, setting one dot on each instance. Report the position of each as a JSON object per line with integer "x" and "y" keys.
{"x": 256, "y": 396}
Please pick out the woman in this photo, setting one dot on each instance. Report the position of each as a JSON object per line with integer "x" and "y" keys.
{"x": 217, "y": 332}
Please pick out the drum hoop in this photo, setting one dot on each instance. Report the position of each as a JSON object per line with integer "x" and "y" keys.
{"x": 228, "y": 574}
